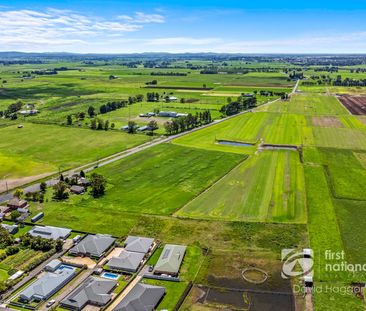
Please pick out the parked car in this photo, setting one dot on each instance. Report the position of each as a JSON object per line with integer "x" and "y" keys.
{"x": 50, "y": 303}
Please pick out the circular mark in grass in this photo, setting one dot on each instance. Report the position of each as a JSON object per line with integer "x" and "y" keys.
{"x": 254, "y": 275}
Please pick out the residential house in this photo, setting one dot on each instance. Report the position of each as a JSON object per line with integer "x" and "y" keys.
{"x": 93, "y": 291}
{"x": 77, "y": 189}
{"x": 141, "y": 297}
{"x": 16, "y": 203}
{"x": 126, "y": 261}
{"x": 138, "y": 244}
{"x": 47, "y": 285}
{"x": 93, "y": 246}
{"x": 170, "y": 260}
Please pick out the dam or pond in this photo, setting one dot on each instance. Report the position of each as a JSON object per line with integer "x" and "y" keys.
{"x": 234, "y": 143}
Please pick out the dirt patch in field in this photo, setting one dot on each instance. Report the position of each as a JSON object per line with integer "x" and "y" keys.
{"x": 80, "y": 261}
{"x": 260, "y": 85}
{"x": 362, "y": 119}
{"x": 242, "y": 300}
{"x": 326, "y": 122}
{"x": 225, "y": 273}
{"x": 17, "y": 182}
{"x": 355, "y": 104}
{"x": 221, "y": 94}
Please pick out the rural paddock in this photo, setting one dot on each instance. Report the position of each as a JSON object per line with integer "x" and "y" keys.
{"x": 355, "y": 104}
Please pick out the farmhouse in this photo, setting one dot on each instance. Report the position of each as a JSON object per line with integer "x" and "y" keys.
{"x": 4, "y": 209}
{"x": 16, "y": 203}
{"x": 126, "y": 261}
{"x": 170, "y": 260}
{"x": 138, "y": 244}
{"x": 93, "y": 245}
{"x": 141, "y": 297}
{"x": 48, "y": 284}
{"x": 12, "y": 229}
{"x": 94, "y": 291}
{"x": 82, "y": 181}
{"x": 50, "y": 233}
{"x": 77, "y": 189}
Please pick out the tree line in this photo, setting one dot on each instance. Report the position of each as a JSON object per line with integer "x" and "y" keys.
{"x": 184, "y": 123}
{"x": 242, "y": 103}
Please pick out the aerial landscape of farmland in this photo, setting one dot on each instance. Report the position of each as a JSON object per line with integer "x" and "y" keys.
{"x": 227, "y": 173}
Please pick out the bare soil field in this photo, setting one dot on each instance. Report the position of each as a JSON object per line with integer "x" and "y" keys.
{"x": 17, "y": 182}
{"x": 326, "y": 122}
{"x": 355, "y": 104}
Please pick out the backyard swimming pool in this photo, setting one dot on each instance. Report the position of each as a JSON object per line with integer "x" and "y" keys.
{"x": 108, "y": 275}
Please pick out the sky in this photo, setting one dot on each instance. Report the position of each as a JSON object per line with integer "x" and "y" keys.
{"x": 176, "y": 26}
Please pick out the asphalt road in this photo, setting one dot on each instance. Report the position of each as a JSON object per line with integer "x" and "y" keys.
{"x": 123, "y": 154}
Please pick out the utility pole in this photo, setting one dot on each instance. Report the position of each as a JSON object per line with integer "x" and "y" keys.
{"x": 6, "y": 183}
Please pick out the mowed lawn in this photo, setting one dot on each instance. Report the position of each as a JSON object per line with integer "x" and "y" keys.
{"x": 40, "y": 148}
{"x": 158, "y": 181}
{"x": 309, "y": 104}
{"x": 273, "y": 128}
{"x": 266, "y": 187}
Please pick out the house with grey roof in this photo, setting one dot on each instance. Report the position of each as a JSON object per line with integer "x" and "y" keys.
{"x": 93, "y": 291}
{"x": 143, "y": 297}
{"x": 47, "y": 285}
{"x": 49, "y": 232}
{"x": 138, "y": 244}
{"x": 75, "y": 189}
{"x": 93, "y": 245}
{"x": 170, "y": 260}
{"x": 126, "y": 261}
{"x": 12, "y": 229}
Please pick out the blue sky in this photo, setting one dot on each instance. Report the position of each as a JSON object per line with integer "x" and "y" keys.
{"x": 112, "y": 26}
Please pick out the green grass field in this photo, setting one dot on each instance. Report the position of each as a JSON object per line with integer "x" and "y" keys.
{"x": 240, "y": 204}
{"x": 36, "y": 148}
{"x": 158, "y": 181}
{"x": 266, "y": 187}
{"x": 309, "y": 104}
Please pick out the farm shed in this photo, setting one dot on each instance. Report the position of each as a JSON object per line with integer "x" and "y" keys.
{"x": 49, "y": 232}
{"x": 12, "y": 229}
{"x": 37, "y": 217}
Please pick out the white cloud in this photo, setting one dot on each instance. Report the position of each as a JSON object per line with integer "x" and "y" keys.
{"x": 29, "y": 28}
{"x": 143, "y": 18}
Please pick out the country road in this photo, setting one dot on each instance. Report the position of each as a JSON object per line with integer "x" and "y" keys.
{"x": 123, "y": 154}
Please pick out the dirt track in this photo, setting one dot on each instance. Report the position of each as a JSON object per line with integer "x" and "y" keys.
{"x": 355, "y": 104}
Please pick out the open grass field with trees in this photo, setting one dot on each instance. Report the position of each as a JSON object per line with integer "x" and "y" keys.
{"x": 287, "y": 174}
